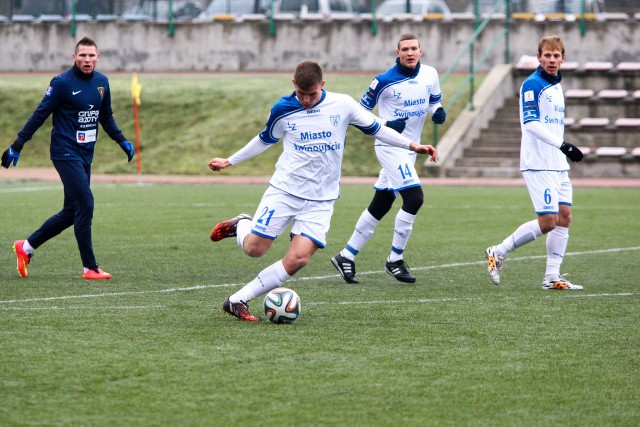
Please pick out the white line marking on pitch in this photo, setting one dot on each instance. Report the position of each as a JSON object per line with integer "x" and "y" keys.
{"x": 333, "y": 276}
{"x": 114, "y": 307}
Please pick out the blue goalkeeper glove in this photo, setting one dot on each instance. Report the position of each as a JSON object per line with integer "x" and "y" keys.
{"x": 439, "y": 116}
{"x": 10, "y": 155}
{"x": 127, "y": 148}
{"x": 398, "y": 124}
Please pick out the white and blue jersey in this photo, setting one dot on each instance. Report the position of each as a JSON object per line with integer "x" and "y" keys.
{"x": 78, "y": 102}
{"x": 542, "y": 100}
{"x": 399, "y": 95}
{"x": 402, "y": 92}
{"x": 314, "y": 142}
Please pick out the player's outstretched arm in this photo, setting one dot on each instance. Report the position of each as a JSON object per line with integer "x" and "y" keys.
{"x": 217, "y": 164}
{"x": 253, "y": 148}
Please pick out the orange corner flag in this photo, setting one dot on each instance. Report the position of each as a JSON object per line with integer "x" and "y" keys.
{"x": 136, "y": 89}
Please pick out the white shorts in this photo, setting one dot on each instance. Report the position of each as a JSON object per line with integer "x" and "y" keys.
{"x": 278, "y": 209}
{"x": 548, "y": 190}
{"x": 398, "y": 168}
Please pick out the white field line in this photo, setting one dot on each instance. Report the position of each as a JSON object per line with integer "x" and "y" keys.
{"x": 59, "y": 187}
{"x": 113, "y": 307}
{"x": 30, "y": 189}
{"x": 333, "y": 276}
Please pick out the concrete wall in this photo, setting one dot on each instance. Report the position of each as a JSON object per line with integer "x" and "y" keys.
{"x": 337, "y": 45}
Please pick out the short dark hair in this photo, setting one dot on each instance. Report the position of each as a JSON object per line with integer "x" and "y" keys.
{"x": 408, "y": 36}
{"x": 307, "y": 74}
{"x": 86, "y": 41}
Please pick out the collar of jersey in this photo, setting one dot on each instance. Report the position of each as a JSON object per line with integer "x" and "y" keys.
{"x": 406, "y": 71}
{"x": 324, "y": 95}
{"x": 548, "y": 77}
{"x": 78, "y": 72}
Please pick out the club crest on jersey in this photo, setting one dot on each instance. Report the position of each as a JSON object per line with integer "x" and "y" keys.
{"x": 291, "y": 126}
{"x": 397, "y": 95}
{"x": 49, "y": 91}
{"x": 101, "y": 90}
{"x": 335, "y": 120}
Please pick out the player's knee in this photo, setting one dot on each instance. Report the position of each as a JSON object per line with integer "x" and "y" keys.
{"x": 381, "y": 203}
{"x": 294, "y": 263}
{"x": 254, "y": 247}
{"x": 412, "y": 200}
{"x": 564, "y": 219}
{"x": 547, "y": 223}
{"x": 254, "y": 252}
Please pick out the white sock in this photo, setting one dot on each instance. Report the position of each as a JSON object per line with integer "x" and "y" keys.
{"x": 26, "y": 246}
{"x": 268, "y": 279}
{"x": 361, "y": 234}
{"x": 557, "y": 240}
{"x": 401, "y": 234}
{"x": 243, "y": 228}
{"x": 527, "y": 232}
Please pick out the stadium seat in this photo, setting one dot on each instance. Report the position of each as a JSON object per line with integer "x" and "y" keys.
{"x": 598, "y": 66}
{"x": 523, "y": 16}
{"x": 569, "y": 66}
{"x": 594, "y": 122}
{"x": 628, "y": 66}
{"x": 635, "y": 152}
{"x": 552, "y": 16}
{"x": 433, "y": 17}
{"x": 586, "y": 150}
{"x": 627, "y": 122}
{"x": 569, "y": 121}
{"x": 23, "y": 18}
{"x": 82, "y": 17}
{"x": 613, "y": 94}
{"x": 579, "y": 93}
{"x": 106, "y": 17}
{"x": 613, "y": 16}
{"x": 611, "y": 151}
{"x": 527, "y": 62}
{"x": 636, "y": 94}
{"x": 50, "y": 18}
{"x": 224, "y": 17}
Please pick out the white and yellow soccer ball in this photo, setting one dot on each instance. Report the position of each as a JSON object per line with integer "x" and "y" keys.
{"x": 282, "y": 305}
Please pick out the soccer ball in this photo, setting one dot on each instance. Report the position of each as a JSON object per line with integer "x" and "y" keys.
{"x": 282, "y": 305}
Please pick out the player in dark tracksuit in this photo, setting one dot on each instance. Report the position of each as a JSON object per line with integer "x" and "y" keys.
{"x": 79, "y": 99}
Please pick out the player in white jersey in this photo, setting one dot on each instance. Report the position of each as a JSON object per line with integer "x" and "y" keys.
{"x": 408, "y": 91}
{"x": 544, "y": 166}
{"x": 313, "y": 124}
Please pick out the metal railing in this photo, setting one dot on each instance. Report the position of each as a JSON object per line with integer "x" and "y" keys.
{"x": 469, "y": 81}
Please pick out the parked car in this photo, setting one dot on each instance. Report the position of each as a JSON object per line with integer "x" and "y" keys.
{"x": 567, "y": 6}
{"x": 49, "y": 9}
{"x": 485, "y": 6}
{"x": 388, "y": 8}
{"x": 320, "y": 8}
{"x": 158, "y": 10}
{"x": 238, "y": 8}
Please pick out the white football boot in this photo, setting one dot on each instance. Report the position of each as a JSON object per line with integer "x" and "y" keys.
{"x": 560, "y": 284}
{"x": 494, "y": 264}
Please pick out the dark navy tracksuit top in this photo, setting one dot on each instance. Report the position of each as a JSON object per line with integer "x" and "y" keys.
{"x": 78, "y": 103}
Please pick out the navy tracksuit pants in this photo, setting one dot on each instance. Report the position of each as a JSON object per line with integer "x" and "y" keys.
{"x": 77, "y": 210}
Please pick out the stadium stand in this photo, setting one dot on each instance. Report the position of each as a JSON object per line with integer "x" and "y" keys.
{"x": 602, "y": 103}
